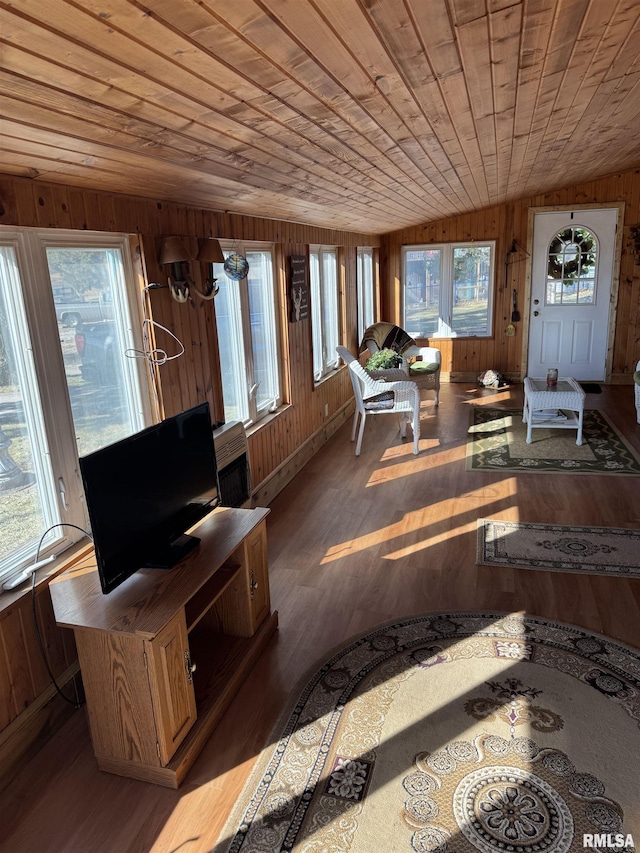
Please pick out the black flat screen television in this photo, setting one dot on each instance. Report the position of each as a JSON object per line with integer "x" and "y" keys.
{"x": 145, "y": 491}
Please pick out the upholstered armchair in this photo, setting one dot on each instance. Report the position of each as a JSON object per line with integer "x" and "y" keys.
{"x": 421, "y": 364}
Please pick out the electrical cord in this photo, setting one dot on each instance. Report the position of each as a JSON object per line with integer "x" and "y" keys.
{"x": 35, "y": 612}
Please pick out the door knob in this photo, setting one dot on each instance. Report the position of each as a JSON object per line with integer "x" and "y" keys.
{"x": 535, "y": 313}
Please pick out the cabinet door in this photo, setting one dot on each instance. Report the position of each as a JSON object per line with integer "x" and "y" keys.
{"x": 258, "y": 574}
{"x": 171, "y": 683}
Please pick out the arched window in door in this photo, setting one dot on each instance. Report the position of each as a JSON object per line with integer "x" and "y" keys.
{"x": 571, "y": 267}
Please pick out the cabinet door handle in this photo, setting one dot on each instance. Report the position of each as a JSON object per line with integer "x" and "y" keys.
{"x": 253, "y": 584}
{"x": 191, "y": 667}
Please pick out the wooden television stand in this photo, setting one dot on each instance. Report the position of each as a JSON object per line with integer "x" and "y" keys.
{"x": 164, "y": 653}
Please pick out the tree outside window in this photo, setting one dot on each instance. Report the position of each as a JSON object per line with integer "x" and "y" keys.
{"x": 448, "y": 290}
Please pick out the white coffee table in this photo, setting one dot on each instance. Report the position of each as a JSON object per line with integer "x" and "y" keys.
{"x": 567, "y": 396}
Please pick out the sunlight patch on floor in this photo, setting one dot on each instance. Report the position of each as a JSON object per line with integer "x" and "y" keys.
{"x": 426, "y": 517}
{"x": 405, "y": 450}
{"x": 416, "y": 547}
{"x": 407, "y": 464}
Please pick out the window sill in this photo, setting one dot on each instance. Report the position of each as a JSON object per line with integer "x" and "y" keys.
{"x": 327, "y": 376}
{"x": 80, "y": 554}
{"x": 267, "y": 419}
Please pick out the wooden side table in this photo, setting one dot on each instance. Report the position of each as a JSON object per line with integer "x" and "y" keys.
{"x": 567, "y": 395}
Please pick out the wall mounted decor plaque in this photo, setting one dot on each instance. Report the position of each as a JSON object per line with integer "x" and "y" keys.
{"x": 298, "y": 288}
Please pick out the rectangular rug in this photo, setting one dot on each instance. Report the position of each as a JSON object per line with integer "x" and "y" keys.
{"x": 497, "y": 442}
{"x": 611, "y": 551}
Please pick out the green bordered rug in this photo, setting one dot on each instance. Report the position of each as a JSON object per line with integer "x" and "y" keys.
{"x": 559, "y": 548}
{"x": 453, "y": 733}
{"x": 497, "y": 442}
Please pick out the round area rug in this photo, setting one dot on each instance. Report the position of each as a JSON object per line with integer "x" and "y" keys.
{"x": 498, "y": 733}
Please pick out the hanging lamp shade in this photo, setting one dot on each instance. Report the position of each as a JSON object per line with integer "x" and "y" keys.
{"x": 210, "y": 251}
{"x": 173, "y": 251}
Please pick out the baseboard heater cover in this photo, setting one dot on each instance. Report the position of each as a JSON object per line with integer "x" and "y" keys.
{"x": 232, "y": 460}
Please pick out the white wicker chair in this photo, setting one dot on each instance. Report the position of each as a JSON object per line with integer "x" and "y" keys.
{"x": 376, "y": 397}
{"x": 636, "y": 386}
{"x": 420, "y": 364}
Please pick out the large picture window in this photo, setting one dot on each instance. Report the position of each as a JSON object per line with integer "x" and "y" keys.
{"x": 67, "y": 387}
{"x": 248, "y": 335}
{"x": 448, "y": 290}
{"x": 325, "y": 309}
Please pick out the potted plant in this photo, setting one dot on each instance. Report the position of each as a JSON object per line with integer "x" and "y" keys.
{"x": 384, "y": 359}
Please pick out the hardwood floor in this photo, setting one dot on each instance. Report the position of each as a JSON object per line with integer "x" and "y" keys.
{"x": 353, "y": 542}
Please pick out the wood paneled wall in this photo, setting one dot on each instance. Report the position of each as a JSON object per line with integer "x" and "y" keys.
{"x": 184, "y": 382}
{"x": 195, "y": 377}
{"x": 464, "y": 359}
{"x": 31, "y": 711}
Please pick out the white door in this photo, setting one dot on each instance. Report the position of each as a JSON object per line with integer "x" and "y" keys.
{"x": 571, "y": 281}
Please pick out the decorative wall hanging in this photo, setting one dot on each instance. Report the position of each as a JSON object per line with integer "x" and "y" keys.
{"x": 572, "y": 252}
{"x": 298, "y": 288}
{"x": 236, "y": 266}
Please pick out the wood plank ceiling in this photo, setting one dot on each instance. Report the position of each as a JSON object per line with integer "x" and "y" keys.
{"x": 364, "y": 115}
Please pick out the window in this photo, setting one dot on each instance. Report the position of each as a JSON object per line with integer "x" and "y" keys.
{"x": 366, "y": 290}
{"x": 571, "y": 268}
{"x": 323, "y": 268}
{"x": 248, "y": 335}
{"x": 448, "y": 290}
{"x": 66, "y": 386}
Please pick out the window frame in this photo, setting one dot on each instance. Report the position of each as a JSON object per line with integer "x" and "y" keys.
{"x": 324, "y": 360}
{"x": 41, "y": 345}
{"x": 256, "y": 414}
{"x": 445, "y": 310}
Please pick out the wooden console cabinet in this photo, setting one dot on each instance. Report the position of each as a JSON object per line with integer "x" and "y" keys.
{"x": 164, "y": 653}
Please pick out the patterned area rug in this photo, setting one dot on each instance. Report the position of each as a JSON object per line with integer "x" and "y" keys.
{"x": 456, "y": 733}
{"x": 497, "y": 442}
{"x": 559, "y": 548}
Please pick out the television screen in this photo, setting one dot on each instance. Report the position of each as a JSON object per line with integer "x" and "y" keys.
{"x": 145, "y": 491}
